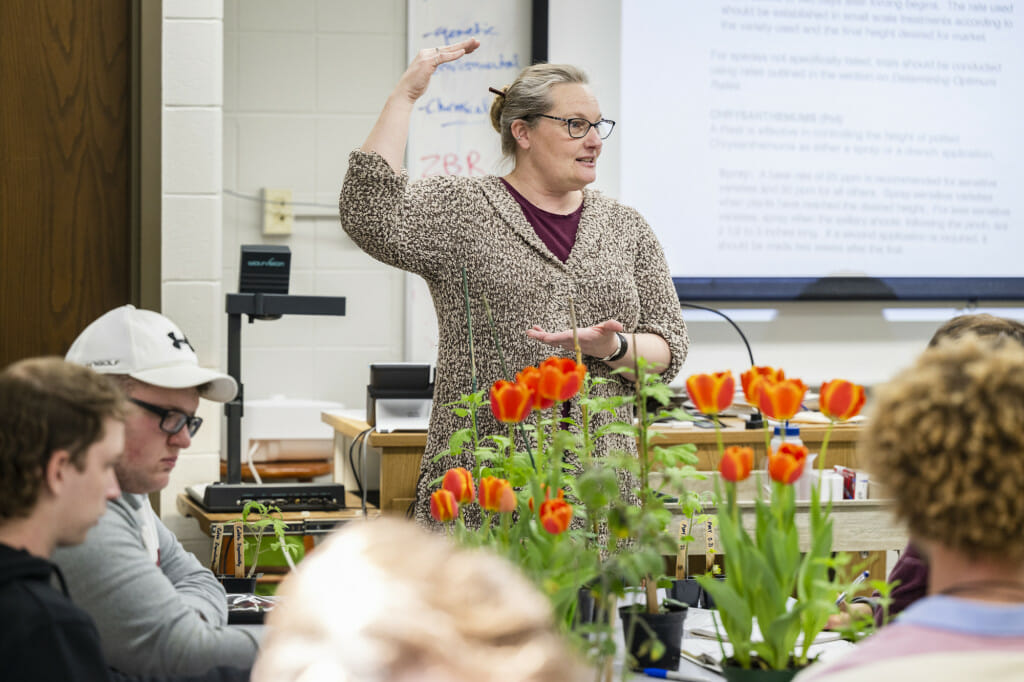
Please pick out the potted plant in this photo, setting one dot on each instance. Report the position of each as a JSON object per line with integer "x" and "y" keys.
{"x": 255, "y": 520}
{"x": 765, "y": 567}
{"x": 572, "y": 529}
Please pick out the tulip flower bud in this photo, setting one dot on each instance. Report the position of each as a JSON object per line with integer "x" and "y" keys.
{"x": 460, "y": 483}
{"x": 530, "y": 377}
{"x": 752, "y": 380}
{"x": 711, "y": 393}
{"x": 736, "y": 463}
{"x": 786, "y": 465}
{"x": 840, "y": 400}
{"x": 781, "y": 400}
{"x": 555, "y": 515}
{"x": 496, "y": 495}
{"x": 443, "y": 506}
{"x": 510, "y": 403}
{"x": 560, "y": 378}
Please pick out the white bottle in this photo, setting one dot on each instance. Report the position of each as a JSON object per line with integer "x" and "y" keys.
{"x": 792, "y": 436}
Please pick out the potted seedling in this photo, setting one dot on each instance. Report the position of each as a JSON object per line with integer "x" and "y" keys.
{"x": 250, "y": 529}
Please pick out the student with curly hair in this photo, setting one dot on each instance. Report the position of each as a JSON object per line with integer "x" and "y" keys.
{"x": 911, "y": 570}
{"x": 948, "y": 434}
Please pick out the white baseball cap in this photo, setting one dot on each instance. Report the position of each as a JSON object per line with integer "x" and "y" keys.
{"x": 147, "y": 346}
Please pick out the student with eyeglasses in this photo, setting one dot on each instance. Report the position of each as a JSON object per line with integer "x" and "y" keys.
{"x": 530, "y": 241}
{"x": 158, "y": 610}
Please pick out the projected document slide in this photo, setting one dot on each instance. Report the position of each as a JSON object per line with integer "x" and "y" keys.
{"x": 806, "y": 138}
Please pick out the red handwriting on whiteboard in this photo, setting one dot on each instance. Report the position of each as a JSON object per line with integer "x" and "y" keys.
{"x": 450, "y": 163}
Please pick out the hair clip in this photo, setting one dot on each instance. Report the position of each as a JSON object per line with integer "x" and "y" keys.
{"x": 500, "y": 93}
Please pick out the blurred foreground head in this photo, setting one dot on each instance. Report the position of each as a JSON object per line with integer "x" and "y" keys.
{"x": 385, "y": 601}
{"x": 948, "y": 434}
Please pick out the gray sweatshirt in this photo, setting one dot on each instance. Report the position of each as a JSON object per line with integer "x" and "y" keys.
{"x": 164, "y": 615}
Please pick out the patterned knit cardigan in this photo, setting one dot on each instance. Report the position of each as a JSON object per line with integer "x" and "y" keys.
{"x": 437, "y": 226}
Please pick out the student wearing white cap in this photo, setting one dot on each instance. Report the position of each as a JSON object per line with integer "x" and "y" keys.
{"x": 158, "y": 610}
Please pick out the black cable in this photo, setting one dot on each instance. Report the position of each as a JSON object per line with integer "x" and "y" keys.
{"x": 410, "y": 511}
{"x": 755, "y": 421}
{"x": 351, "y": 462}
{"x": 727, "y": 319}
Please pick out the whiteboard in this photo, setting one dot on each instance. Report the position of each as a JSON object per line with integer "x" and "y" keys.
{"x": 450, "y": 132}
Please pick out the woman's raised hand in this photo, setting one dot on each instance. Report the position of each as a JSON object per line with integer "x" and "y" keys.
{"x": 390, "y": 132}
{"x": 416, "y": 78}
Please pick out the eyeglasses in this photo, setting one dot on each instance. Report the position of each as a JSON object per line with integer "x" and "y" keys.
{"x": 171, "y": 421}
{"x": 579, "y": 127}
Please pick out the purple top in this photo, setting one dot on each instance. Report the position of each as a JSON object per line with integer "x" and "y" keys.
{"x": 558, "y": 232}
{"x": 912, "y": 571}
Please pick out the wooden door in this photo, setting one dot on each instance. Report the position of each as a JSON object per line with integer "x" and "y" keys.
{"x": 65, "y": 159}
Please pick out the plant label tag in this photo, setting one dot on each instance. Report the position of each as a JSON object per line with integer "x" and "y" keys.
{"x": 217, "y": 535}
{"x": 684, "y": 540}
{"x": 238, "y": 537}
{"x": 711, "y": 539}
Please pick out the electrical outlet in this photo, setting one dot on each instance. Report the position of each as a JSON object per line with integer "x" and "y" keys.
{"x": 278, "y": 213}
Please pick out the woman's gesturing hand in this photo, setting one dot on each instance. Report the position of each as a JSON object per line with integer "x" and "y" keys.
{"x": 599, "y": 340}
{"x": 416, "y": 78}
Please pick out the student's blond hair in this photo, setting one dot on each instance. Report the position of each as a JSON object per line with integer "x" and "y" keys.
{"x": 384, "y": 601}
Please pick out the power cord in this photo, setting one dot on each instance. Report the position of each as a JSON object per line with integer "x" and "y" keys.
{"x": 351, "y": 460}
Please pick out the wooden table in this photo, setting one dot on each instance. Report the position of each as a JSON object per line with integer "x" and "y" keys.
{"x": 400, "y": 456}
{"x": 859, "y": 525}
{"x": 401, "y": 452}
{"x": 307, "y": 522}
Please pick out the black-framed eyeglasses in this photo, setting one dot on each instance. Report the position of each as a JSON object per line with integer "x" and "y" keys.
{"x": 171, "y": 421}
{"x": 579, "y": 127}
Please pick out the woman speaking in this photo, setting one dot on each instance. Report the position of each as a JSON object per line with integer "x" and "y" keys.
{"x": 528, "y": 242}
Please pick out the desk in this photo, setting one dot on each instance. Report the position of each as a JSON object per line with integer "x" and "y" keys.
{"x": 400, "y": 456}
{"x": 306, "y": 522}
{"x": 401, "y": 452}
{"x": 864, "y": 526}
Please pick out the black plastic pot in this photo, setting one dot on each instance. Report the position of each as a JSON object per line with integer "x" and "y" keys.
{"x": 706, "y": 600}
{"x": 733, "y": 673}
{"x": 585, "y": 607}
{"x": 687, "y": 591}
{"x": 238, "y": 585}
{"x": 667, "y": 628}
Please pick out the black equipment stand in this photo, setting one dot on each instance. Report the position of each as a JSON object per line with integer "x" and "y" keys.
{"x": 260, "y": 307}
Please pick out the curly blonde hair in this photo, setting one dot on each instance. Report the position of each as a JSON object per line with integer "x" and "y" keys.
{"x": 948, "y": 434}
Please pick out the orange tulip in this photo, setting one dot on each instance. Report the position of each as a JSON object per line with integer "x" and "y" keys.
{"x": 555, "y": 515}
{"x": 736, "y": 463}
{"x": 752, "y": 378}
{"x": 560, "y": 378}
{"x": 547, "y": 496}
{"x": 786, "y": 464}
{"x": 530, "y": 377}
{"x": 496, "y": 495}
{"x": 443, "y": 506}
{"x": 840, "y": 400}
{"x": 711, "y": 393}
{"x": 510, "y": 403}
{"x": 781, "y": 399}
{"x": 459, "y": 482}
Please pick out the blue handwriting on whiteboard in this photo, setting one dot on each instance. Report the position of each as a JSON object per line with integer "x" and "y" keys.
{"x": 470, "y": 65}
{"x": 450, "y": 35}
{"x": 437, "y": 105}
